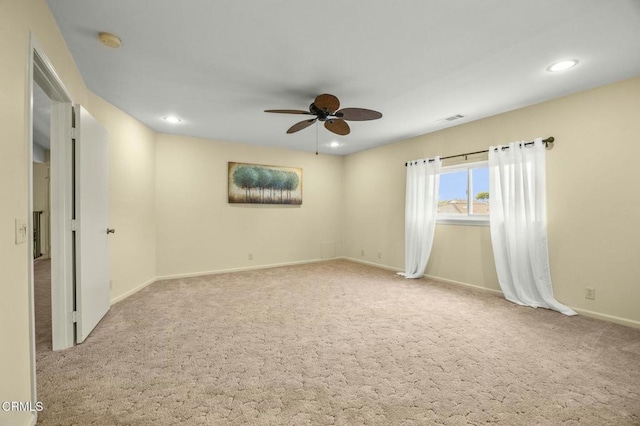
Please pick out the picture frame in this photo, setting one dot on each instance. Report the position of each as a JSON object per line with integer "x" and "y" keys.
{"x": 262, "y": 184}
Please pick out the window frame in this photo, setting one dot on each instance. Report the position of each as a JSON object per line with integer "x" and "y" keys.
{"x": 470, "y": 218}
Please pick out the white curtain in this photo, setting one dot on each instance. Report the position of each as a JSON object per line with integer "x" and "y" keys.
{"x": 423, "y": 179}
{"x": 517, "y": 211}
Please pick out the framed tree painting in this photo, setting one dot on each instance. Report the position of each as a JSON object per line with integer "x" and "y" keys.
{"x": 259, "y": 184}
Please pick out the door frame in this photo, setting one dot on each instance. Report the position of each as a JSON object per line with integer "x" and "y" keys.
{"x": 41, "y": 70}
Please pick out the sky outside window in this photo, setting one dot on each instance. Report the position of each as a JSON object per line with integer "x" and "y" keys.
{"x": 480, "y": 179}
{"x": 453, "y": 186}
{"x": 452, "y": 199}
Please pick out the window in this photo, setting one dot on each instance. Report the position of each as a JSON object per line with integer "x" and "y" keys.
{"x": 464, "y": 194}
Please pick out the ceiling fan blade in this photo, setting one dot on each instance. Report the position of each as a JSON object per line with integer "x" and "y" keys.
{"x": 358, "y": 114}
{"x": 337, "y": 126}
{"x": 326, "y": 102}
{"x": 288, "y": 111}
{"x": 301, "y": 125}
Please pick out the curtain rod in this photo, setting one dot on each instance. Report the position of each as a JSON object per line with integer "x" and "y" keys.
{"x": 546, "y": 141}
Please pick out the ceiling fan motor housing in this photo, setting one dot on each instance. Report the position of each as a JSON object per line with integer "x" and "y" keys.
{"x": 321, "y": 113}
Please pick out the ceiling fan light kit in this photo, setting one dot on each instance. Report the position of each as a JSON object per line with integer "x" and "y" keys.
{"x": 325, "y": 107}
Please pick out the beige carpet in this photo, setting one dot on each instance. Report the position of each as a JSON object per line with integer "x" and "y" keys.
{"x": 339, "y": 343}
{"x": 42, "y": 297}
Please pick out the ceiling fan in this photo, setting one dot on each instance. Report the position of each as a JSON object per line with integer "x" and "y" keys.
{"x": 325, "y": 108}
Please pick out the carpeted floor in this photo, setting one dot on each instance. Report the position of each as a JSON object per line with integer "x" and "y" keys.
{"x": 338, "y": 343}
{"x": 42, "y": 297}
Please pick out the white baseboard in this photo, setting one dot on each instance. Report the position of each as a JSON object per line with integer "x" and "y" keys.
{"x": 366, "y": 262}
{"x": 243, "y": 269}
{"x": 132, "y": 291}
{"x": 474, "y": 286}
{"x": 585, "y": 312}
{"x": 608, "y": 318}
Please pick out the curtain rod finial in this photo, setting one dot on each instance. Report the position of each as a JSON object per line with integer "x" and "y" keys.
{"x": 548, "y": 142}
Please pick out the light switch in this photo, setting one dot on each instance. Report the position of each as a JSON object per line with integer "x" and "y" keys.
{"x": 21, "y": 231}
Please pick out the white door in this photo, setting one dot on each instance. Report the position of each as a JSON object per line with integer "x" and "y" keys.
{"x": 92, "y": 222}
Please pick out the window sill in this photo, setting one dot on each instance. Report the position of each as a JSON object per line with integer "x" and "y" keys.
{"x": 465, "y": 221}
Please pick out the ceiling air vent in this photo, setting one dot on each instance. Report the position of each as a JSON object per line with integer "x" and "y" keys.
{"x": 453, "y": 118}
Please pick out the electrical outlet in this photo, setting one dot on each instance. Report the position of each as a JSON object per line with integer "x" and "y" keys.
{"x": 379, "y": 255}
{"x": 250, "y": 256}
{"x": 361, "y": 252}
{"x": 590, "y": 293}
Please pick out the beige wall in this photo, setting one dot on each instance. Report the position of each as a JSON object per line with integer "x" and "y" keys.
{"x": 129, "y": 141}
{"x": 199, "y": 231}
{"x": 592, "y": 208}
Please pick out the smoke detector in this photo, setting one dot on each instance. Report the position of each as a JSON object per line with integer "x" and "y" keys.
{"x": 110, "y": 40}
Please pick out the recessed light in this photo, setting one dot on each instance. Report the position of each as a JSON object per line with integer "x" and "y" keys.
{"x": 172, "y": 119}
{"x": 334, "y": 144}
{"x": 563, "y": 65}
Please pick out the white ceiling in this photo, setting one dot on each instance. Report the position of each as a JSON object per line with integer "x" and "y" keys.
{"x": 218, "y": 64}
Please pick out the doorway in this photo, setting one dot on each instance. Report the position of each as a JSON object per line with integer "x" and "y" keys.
{"x": 41, "y": 146}
{"x": 48, "y": 96}
{"x": 78, "y": 226}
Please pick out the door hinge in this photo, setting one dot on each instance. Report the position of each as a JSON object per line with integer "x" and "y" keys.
{"x": 74, "y": 133}
{"x": 74, "y": 316}
{"x": 74, "y": 225}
